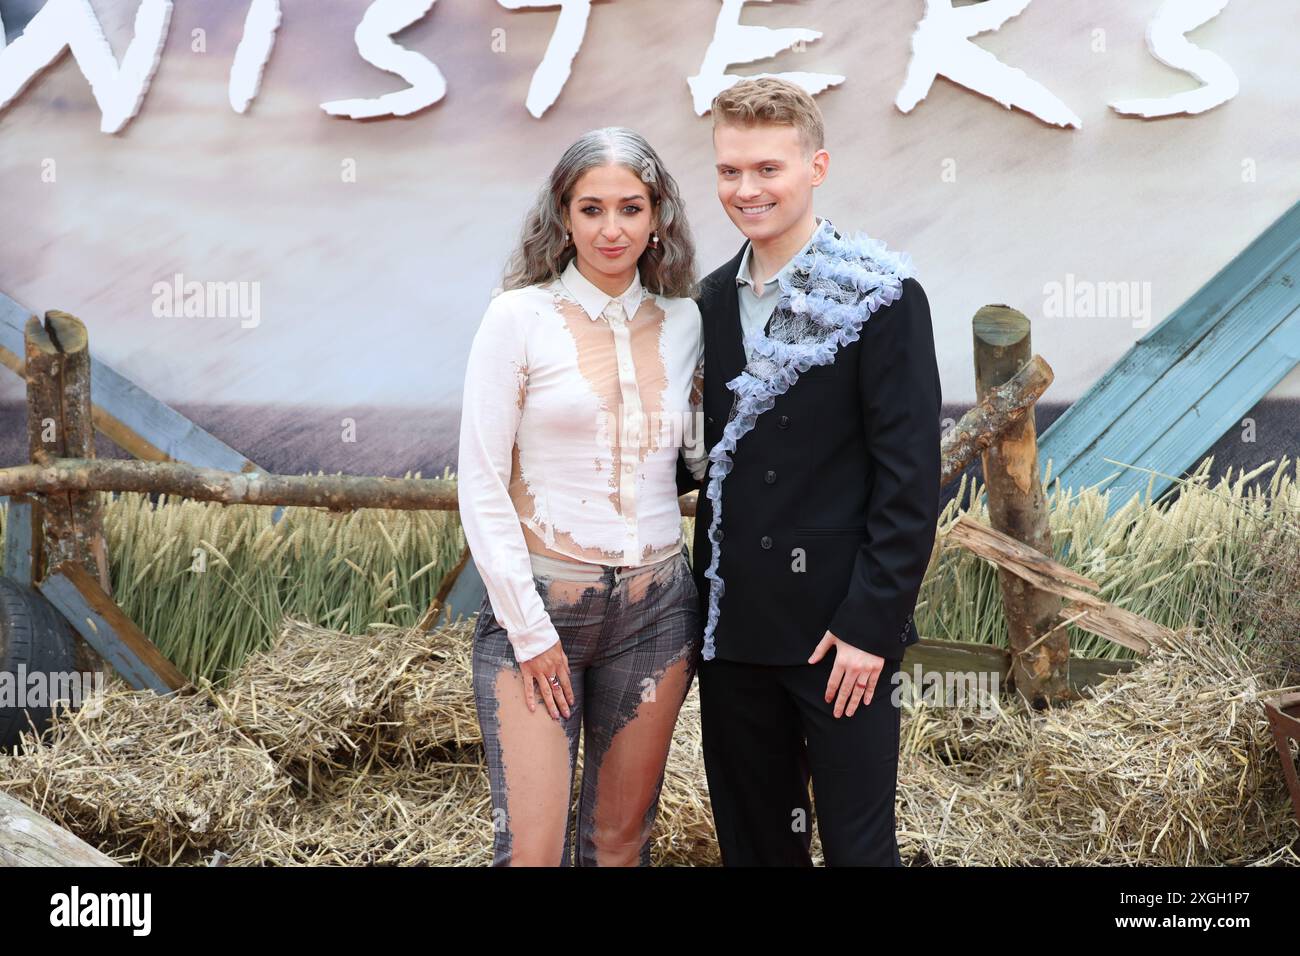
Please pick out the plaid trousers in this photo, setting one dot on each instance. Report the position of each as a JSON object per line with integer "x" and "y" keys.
{"x": 621, "y": 629}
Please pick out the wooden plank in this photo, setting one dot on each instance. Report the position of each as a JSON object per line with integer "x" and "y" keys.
{"x": 1084, "y": 609}
{"x": 29, "y": 839}
{"x": 1115, "y": 624}
{"x": 1194, "y": 432}
{"x": 22, "y": 552}
{"x": 1260, "y": 325}
{"x": 101, "y": 623}
{"x": 1142, "y": 366}
{"x": 1033, "y": 566}
{"x": 966, "y": 657}
{"x": 1235, "y": 327}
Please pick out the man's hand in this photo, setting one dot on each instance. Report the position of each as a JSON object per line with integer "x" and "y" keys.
{"x": 854, "y": 676}
{"x": 552, "y": 662}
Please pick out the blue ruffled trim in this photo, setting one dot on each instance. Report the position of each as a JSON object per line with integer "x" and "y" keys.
{"x": 857, "y": 264}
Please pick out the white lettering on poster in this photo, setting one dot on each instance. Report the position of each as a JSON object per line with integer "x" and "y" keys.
{"x": 1169, "y": 45}
{"x": 253, "y": 51}
{"x": 942, "y": 45}
{"x": 736, "y": 42}
{"x": 553, "y": 72}
{"x": 72, "y": 24}
{"x": 374, "y": 37}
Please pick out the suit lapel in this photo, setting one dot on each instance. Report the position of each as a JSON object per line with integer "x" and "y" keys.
{"x": 731, "y": 343}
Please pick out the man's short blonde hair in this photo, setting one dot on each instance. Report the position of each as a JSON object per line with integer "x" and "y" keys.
{"x": 767, "y": 100}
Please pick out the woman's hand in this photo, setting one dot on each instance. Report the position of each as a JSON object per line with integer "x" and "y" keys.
{"x": 853, "y": 678}
{"x": 552, "y": 662}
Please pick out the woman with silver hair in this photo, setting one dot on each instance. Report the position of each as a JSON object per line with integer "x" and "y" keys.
{"x": 583, "y": 386}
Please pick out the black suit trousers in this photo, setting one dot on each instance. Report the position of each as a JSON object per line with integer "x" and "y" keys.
{"x": 767, "y": 730}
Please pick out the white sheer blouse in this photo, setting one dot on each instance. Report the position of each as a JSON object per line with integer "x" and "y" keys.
{"x": 576, "y": 405}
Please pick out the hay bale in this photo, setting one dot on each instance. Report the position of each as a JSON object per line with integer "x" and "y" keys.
{"x": 146, "y": 778}
{"x": 437, "y": 698}
{"x": 960, "y": 791}
{"x": 380, "y": 814}
{"x": 319, "y": 700}
{"x": 1170, "y": 763}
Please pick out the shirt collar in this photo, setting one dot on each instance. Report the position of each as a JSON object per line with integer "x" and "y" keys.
{"x": 593, "y": 300}
{"x": 742, "y": 274}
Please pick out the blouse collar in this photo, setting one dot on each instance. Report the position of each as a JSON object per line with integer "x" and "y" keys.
{"x": 593, "y": 300}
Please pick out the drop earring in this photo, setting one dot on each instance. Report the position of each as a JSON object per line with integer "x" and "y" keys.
{"x": 654, "y": 240}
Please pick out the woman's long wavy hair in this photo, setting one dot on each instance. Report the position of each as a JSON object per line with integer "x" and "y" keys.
{"x": 543, "y": 252}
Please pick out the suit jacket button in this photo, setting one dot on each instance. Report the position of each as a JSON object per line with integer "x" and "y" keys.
{"x": 719, "y": 535}
{"x": 770, "y": 477}
{"x": 766, "y": 542}
{"x": 784, "y": 422}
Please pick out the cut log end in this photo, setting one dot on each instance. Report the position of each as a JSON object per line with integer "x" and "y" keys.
{"x": 67, "y": 331}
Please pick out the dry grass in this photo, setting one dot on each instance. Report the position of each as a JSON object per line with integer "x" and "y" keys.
{"x": 148, "y": 778}
{"x": 210, "y": 584}
{"x": 1169, "y": 763}
{"x": 1181, "y": 560}
{"x": 321, "y": 746}
{"x": 433, "y": 814}
{"x": 320, "y": 701}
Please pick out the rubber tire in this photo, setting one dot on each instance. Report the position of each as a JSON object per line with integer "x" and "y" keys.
{"x": 35, "y": 635}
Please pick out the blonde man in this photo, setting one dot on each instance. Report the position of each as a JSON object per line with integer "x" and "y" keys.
{"x": 817, "y": 516}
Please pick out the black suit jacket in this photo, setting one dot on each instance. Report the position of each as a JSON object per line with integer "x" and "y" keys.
{"x": 829, "y": 512}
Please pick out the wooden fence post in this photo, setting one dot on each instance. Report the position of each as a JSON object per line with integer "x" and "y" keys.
{"x": 60, "y": 425}
{"x": 1018, "y": 508}
{"x": 29, "y": 839}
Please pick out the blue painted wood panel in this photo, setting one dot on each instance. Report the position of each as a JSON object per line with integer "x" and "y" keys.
{"x": 99, "y": 633}
{"x": 1190, "y": 379}
{"x": 18, "y": 561}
